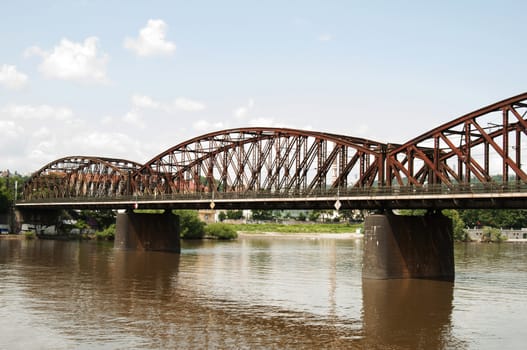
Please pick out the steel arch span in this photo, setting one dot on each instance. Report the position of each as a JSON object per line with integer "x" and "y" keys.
{"x": 81, "y": 176}
{"x": 272, "y": 160}
{"x": 484, "y": 147}
{"x": 467, "y": 162}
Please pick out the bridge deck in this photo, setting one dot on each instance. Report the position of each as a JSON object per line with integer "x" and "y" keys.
{"x": 482, "y": 197}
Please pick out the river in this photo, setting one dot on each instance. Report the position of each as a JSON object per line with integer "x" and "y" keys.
{"x": 254, "y": 293}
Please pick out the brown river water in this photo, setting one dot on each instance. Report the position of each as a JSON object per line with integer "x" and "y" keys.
{"x": 254, "y": 293}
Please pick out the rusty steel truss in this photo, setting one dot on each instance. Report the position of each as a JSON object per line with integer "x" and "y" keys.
{"x": 484, "y": 147}
{"x": 261, "y": 159}
{"x": 81, "y": 176}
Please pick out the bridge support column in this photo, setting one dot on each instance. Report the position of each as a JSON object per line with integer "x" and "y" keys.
{"x": 142, "y": 231}
{"x": 398, "y": 246}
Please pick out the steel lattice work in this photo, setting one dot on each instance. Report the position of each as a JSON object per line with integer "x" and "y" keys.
{"x": 262, "y": 159}
{"x": 80, "y": 176}
{"x": 482, "y": 147}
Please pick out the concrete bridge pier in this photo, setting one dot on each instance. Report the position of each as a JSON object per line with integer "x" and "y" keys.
{"x": 145, "y": 231}
{"x": 400, "y": 247}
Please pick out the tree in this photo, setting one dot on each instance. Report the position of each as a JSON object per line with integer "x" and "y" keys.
{"x": 221, "y": 231}
{"x": 7, "y": 189}
{"x": 491, "y": 234}
{"x": 510, "y": 218}
{"x": 234, "y": 214}
{"x": 314, "y": 215}
{"x": 97, "y": 219}
{"x": 262, "y": 215}
{"x": 458, "y": 226}
{"x": 190, "y": 224}
{"x": 411, "y": 212}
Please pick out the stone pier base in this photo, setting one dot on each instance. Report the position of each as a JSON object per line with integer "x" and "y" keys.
{"x": 141, "y": 231}
{"x": 408, "y": 247}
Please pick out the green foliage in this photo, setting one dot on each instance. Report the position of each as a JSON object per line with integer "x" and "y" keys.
{"x": 234, "y": 214}
{"x": 491, "y": 234}
{"x": 97, "y": 219}
{"x": 297, "y": 228}
{"x": 262, "y": 215}
{"x": 301, "y": 217}
{"x": 505, "y": 218}
{"x": 7, "y": 189}
{"x": 351, "y": 215}
{"x": 30, "y": 235}
{"x": 221, "y": 231}
{"x": 107, "y": 234}
{"x": 81, "y": 224}
{"x": 191, "y": 226}
{"x": 222, "y": 216}
{"x": 411, "y": 212}
{"x": 314, "y": 215}
{"x": 458, "y": 225}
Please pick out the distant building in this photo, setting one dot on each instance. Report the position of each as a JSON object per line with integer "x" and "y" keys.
{"x": 207, "y": 215}
{"x": 475, "y": 234}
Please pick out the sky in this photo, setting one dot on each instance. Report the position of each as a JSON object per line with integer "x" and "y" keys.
{"x": 130, "y": 79}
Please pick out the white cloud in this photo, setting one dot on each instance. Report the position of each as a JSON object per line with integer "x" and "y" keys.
{"x": 33, "y": 135}
{"x": 203, "y": 125}
{"x": 11, "y": 78}
{"x": 10, "y": 130}
{"x": 72, "y": 61}
{"x": 100, "y": 143}
{"x": 325, "y": 37}
{"x": 135, "y": 119}
{"x": 151, "y": 40}
{"x": 32, "y": 113}
{"x": 265, "y": 122}
{"x": 142, "y": 101}
{"x": 107, "y": 120}
{"x": 180, "y": 103}
{"x": 243, "y": 111}
{"x": 188, "y": 105}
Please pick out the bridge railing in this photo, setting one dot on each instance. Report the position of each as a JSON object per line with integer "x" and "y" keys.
{"x": 371, "y": 192}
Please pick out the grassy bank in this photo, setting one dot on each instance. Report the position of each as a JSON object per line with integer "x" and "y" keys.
{"x": 297, "y": 228}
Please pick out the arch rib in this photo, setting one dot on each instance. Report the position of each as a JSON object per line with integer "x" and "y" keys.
{"x": 473, "y": 148}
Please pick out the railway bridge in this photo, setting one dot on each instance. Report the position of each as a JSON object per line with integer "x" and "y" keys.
{"x": 473, "y": 161}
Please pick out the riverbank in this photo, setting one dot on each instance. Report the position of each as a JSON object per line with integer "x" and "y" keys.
{"x": 301, "y": 235}
{"x": 12, "y": 236}
{"x": 297, "y": 228}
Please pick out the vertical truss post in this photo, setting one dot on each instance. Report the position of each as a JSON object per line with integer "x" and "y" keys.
{"x": 505, "y": 137}
{"x": 518, "y": 152}
{"x": 468, "y": 147}
{"x": 435, "y": 177}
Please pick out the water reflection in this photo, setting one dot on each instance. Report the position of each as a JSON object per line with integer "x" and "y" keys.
{"x": 411, "y": 314}
{"x": 252, "y": 294}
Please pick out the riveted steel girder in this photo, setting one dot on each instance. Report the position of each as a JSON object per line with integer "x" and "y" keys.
{"x": 261, "y": 159}
{"x": 81, "y": 176}
{"x": 484, "y": 146}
